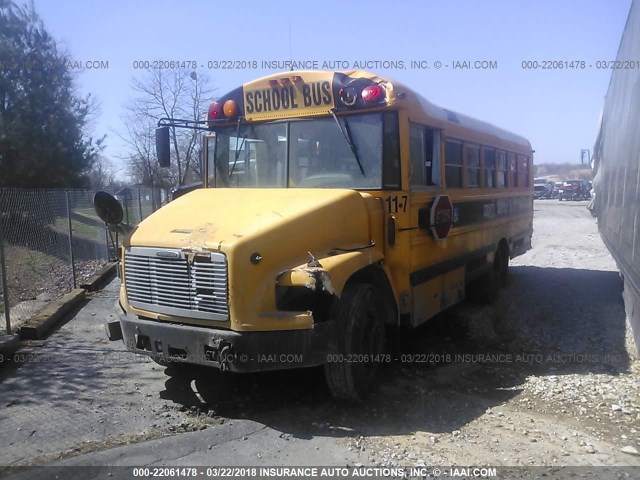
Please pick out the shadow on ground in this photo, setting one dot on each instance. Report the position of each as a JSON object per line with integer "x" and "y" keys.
{"x": 448, "y": 372}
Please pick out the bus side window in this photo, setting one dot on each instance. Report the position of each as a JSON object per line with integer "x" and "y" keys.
{"x": 453, "y": 164}
{"x": 489, "y": 155}
{"x": 416, "y": 148}
{"x": 523, "y": 171}
{"x": 433, "y": 163}
{"x": 472, "y": 163}
{"x": 513, "y": 171}
{"x": 501, "y": 170}
{"x": 425, "y": 156}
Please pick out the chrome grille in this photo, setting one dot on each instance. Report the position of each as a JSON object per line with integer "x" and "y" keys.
{"x": 163, "y": 281}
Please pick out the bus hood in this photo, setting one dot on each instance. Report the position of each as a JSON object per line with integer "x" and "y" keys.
{"x": 264, "y": 233}
{"x": 261, "y": 220}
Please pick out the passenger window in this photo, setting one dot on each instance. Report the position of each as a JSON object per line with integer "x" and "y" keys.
{"x": 489, "y": 156}
{"x": 425, "y": 156}
{"x": 472, "y": 162}
{"x": 513, "y": 172}
{"x": 523, "y": 171}
{"x": 501, "y": 170}
{"x": 416, "y": 147}
{"x": 453, "y": 164}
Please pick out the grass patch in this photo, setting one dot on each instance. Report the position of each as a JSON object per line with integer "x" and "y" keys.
{"x": 79, "y": 228}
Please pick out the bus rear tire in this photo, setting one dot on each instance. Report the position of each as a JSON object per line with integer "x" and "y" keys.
{"x": 361, "y": 341}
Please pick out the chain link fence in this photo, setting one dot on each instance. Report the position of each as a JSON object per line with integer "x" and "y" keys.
{"x": 52, "y": 240}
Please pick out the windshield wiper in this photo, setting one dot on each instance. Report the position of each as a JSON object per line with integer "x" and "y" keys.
{"x": 346, "y": 133}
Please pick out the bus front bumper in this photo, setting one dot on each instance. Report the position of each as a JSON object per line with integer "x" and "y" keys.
{"x": 224, "y": 349}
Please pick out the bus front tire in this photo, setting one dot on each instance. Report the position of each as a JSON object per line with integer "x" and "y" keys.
{"x": 361, "y": 341}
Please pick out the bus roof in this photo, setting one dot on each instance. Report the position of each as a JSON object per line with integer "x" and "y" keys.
{"x": 448, "y": 116}
{"x": 420, "y": 108}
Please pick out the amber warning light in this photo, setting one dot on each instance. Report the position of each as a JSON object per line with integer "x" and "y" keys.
{"x": 230, "y": 109}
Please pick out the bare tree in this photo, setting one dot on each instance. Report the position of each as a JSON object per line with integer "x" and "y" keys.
{"x": 143, "y": 163}
{"x": 103, "y": 172}
{"x": 168, "y": 93}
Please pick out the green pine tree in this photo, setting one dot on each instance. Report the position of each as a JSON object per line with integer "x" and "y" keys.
{"x": 43, "y": 141}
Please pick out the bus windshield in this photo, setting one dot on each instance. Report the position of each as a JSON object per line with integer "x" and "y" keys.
{"x": 300, "y": 154}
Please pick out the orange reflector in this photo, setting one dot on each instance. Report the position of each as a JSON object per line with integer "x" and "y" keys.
{"x": 230, "y": 109}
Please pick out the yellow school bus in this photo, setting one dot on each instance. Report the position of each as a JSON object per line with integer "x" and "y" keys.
{"x": 333, "y": 205}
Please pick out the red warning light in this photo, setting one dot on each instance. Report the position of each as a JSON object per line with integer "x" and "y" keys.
{"x": 215, "y": 111}
{"x": 373, "y": 94}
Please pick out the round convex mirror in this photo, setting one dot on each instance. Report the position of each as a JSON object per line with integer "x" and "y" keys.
{"x": 108, "y": 208}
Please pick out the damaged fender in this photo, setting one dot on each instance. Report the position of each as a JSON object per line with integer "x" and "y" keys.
{"x": 331, "y": 275}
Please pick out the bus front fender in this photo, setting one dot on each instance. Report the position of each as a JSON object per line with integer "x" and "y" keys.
{"x": 330, "y": 274}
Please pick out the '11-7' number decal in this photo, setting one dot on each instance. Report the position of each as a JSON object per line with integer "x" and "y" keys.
{"x": 397, "y": 204}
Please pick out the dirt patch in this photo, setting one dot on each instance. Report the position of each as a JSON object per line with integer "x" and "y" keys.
{"x": 35, "y": 278}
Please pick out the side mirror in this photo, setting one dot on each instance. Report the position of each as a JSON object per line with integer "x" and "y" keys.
{"x": 163, "y": 147}
{"x": 110, "y": 212}
{"x": 108, "y": 208}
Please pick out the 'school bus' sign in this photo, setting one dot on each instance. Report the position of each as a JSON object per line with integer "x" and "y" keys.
{"x": 292, "y": 96}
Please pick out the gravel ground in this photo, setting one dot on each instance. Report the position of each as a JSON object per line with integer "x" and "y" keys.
{"x": 543, "y": 377}
{"x": 549, "y": 361}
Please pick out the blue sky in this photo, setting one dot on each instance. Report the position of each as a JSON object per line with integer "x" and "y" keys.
{"x": 557, "y": 110}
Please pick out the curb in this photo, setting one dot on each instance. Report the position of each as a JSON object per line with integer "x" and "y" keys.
{"x": 102, "y": 276}
{"x": 46, "y": 319}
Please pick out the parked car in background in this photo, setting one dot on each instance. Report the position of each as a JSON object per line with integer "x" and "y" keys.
{"x": 557, "y": 186}
{"x": 542, "y": 190}
{"x": 539, "y": 189}
{"x": 574, "y": 190}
